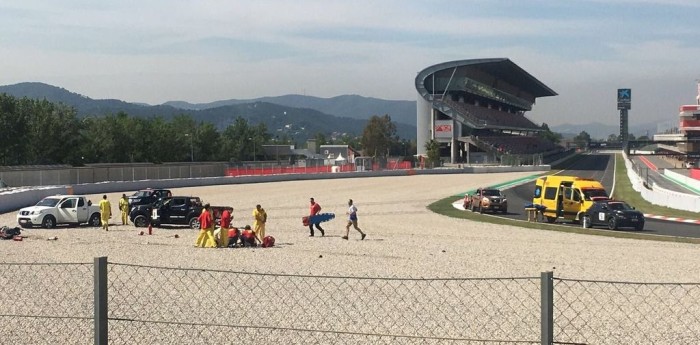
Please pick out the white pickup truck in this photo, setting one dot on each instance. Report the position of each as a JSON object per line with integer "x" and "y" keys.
{"x": 60, "y": 209}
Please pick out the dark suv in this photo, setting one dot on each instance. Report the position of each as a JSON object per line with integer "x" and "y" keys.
{"x": 147, "y": 197}
{"x": 613, "y": 214}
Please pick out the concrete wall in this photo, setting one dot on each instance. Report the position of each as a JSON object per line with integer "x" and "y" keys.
{"x": 14, "y": 199}
{"x": 96, "y": 174}
{"x": 660, "y": 196}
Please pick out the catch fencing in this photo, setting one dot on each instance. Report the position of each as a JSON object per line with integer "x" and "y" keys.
{"x": 137, "y": 304}
{"x": 59, "y": 175}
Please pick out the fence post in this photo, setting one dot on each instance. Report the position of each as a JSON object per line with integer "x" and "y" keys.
{"x": 100, "y": 296}
{"x": 547, "y": 307}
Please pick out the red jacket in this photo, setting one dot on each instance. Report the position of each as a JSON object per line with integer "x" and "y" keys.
{"x": 205, "y": 221}
{"x": 314, "y": 209}
{"x": 248, "y": 234}
{"x": 232, "y": 232}
{"x": 225, "y": 219}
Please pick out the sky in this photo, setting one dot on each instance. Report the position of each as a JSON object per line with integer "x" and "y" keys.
{"x": 153, "y": 51}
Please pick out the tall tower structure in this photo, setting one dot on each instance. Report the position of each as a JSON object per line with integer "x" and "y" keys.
{"x": 624, "y": 104}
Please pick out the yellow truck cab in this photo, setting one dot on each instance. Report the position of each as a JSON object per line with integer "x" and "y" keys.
{"x": 567, "y": 197}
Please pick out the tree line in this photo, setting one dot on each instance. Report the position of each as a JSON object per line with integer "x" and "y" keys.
{"x": 41, "y": 132}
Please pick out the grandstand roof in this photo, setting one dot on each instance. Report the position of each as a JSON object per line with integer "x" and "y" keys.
{"x": 501, "y": 68}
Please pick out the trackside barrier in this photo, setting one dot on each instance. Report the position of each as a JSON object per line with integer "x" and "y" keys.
{"x": 184, "y": 306}
{"x": 16, "y": 199}
{"x": 661, "y": 196}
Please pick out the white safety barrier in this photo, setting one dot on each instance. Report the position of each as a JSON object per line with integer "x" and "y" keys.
{"x": 660, "y": 196}
{"x": 682, "y": 179}
{"x": 15, "y": 199}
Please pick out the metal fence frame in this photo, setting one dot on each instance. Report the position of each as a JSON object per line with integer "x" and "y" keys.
{"x": 129, "y": 302}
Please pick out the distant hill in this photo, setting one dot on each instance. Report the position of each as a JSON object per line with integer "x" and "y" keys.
{"x": 352, "y": 106}
{"x": 300, "y": 122}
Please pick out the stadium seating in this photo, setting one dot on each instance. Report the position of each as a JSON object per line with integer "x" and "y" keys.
{"x": 513, "y": 144}
{"x": 492, "y": 117}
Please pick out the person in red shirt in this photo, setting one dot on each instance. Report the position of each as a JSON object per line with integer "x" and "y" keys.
{"x": 314, "y": 209}
{"x": 206, "y": 224}
{"x": 234, "y": 236}
{"x": 221, "y": 234}
{"x": 248, "y": 237}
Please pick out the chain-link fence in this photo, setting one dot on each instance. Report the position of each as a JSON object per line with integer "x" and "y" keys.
{"x": 136, "y": 304}
{"x": 46, "y": 303}
{"x": 218, "y": 306}
{"x": 601, "y": 312}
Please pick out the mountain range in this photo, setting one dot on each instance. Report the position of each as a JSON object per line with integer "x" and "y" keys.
{"x": 298, "y": 116}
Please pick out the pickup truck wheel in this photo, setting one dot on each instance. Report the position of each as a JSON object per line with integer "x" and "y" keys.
{"x": 95, "y": 220}
{"x": 48, "y": 222}
{"x": 194, "y": 223}
{"x": 141, "y": 221}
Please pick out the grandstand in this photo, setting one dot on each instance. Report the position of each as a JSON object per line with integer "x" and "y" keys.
{"x": 478, "y": 106}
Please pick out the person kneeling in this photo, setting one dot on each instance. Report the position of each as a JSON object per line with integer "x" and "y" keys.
{"x": 234, "y": 238}
{"x": 248, "y": 237}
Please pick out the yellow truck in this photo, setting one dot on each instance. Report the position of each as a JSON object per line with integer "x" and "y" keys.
{"x": 566, "y": 197}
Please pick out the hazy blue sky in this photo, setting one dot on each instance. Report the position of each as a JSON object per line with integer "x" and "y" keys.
{"x": 201, "y": 51}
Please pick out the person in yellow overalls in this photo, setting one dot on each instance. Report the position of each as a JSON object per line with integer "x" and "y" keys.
{"x": 124, "y": 207}
{"x": 105, "y": 212}
{"x": 260, "y": 217}
{"x": 206, "y": 234}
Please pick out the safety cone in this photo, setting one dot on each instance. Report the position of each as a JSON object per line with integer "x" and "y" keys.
{"x": 150, "y": 229}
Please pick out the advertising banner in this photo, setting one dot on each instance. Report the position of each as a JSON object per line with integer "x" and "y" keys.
{"x": 443, "y": 129}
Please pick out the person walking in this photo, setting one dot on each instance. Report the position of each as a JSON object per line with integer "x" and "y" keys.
{"x": 352, "y": 220}
{"x": 314, "y": 209}
{"x": 124, "y": 208}
{"x": 105, "y": 212}
{"x": 260, "y": 217}
{"x": 206, "y": 225}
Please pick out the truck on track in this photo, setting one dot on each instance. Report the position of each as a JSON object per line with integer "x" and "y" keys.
{"x": 567, "y": 197}
{"x": 488, "y": 199}
{"x": 60, "y": 209}
{"x": 173, "y": 210}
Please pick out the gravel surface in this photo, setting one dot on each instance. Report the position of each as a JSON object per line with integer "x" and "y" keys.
{"x": 404, "y": 239}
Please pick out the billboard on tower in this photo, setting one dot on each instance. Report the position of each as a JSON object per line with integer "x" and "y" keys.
{"x": 624, "y": 99}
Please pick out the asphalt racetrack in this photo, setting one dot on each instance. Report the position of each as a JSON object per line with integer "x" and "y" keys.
{"x": 601, "y": 167}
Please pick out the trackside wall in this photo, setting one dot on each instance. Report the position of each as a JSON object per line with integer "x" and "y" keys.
{"x": 15, "y": 199}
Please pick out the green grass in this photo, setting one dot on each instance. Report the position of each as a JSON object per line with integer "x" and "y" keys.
{"x": 623, "y": 190}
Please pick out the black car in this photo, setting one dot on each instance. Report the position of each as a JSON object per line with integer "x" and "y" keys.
{"x": 613, "y": 214}
{"x": 147, "y": 197}
{"x": 168, "y": 210}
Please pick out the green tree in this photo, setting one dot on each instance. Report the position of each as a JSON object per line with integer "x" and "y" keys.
{"x": 548, "y": 135}
{"x": 377, "y": 136}
{"x": 13, "y": 128}
{"x": 582, "y": 139}
{"x": 237, "y": 141}
{"x": 207, "y": 141}
{"x": 432, "y": 149}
